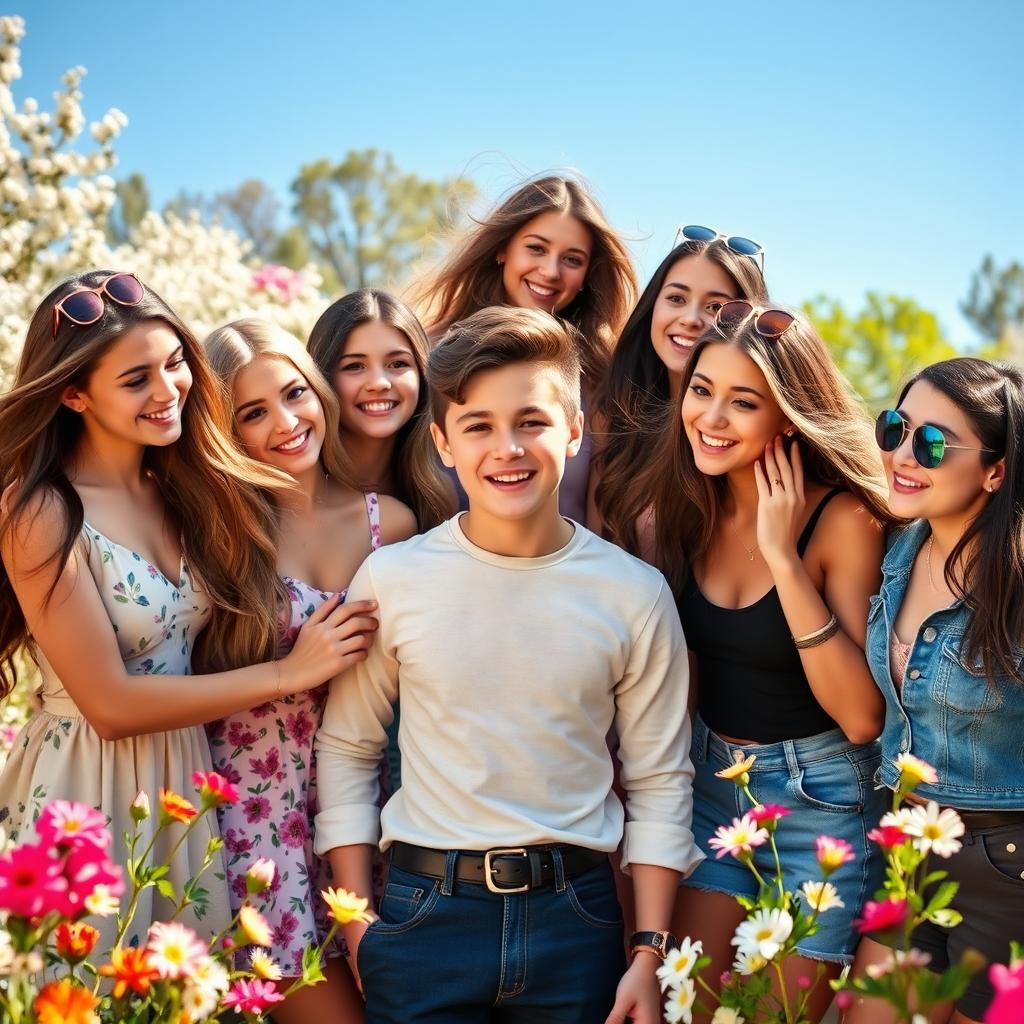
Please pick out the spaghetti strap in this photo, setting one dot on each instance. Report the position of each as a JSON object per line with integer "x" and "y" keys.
{"x": 805, "y": 537}
{"x": 373, "y": 514}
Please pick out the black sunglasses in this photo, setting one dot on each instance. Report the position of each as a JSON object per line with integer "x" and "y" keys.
{"x": 928, "y": 442}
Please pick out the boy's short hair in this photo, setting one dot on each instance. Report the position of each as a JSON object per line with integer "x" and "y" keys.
{"x": 501, "y": 336}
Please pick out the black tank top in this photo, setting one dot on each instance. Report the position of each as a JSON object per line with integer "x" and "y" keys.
{"x": 751, "y": 682}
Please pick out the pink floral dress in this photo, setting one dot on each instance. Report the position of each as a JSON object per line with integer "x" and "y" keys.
{"x": 268, "y": 753}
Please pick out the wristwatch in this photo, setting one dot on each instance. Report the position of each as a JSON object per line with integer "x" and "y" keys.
{"x": 658, "y": 943}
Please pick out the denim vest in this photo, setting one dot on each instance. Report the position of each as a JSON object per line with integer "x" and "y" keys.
{"x": 947, "y": 713}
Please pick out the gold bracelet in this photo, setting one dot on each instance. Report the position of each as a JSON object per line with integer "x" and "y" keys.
{"x": 277, "y": 689}
{"x": 819, "y": 636}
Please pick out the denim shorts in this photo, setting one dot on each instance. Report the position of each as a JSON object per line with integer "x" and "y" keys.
{"x": 826, "y": 782}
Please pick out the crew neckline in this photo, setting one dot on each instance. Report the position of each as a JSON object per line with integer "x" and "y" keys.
{"x": 515, "y": 562}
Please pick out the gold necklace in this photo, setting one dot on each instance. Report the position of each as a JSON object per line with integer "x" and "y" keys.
{"x": 750, "y": 551}
{"x": 928, "y": 560}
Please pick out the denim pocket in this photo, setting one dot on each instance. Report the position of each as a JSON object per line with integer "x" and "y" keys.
{"x": 961, "y": 685}
{"x": 832, "y": 784}
{"x": 406, "y": 906}
{"x": 592, "y": 896}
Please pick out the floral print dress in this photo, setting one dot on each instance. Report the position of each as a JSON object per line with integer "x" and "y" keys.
{"x": 59, "y": 756}
{"x": 268, "y": 753}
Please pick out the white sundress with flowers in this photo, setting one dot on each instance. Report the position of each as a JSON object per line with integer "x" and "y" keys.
{"x": 59, "y": 755}
{"x": 267, "y": 752}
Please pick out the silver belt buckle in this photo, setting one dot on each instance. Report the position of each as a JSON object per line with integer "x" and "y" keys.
{"x": 489, "y": 869}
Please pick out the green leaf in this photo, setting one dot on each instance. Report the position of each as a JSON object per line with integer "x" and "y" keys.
{"x": 166, "y": 889}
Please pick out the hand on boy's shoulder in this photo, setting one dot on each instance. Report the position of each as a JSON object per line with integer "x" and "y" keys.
{"x": 397, "y": 521}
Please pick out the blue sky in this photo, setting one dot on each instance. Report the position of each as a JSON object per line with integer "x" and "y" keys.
{"x": 868, "y": 146}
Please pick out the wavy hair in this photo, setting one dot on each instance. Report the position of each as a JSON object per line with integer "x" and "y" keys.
{"x": 636, "y": 389}
{"x": 214, "y": 493}
{"x": 418, "y": 478}
{"x": 986, "y": 567}
{"x": 837, "y": 442}
{"x": 470, "y": 279}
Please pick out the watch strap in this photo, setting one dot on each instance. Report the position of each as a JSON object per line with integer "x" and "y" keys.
{"x": 658, "y": 943}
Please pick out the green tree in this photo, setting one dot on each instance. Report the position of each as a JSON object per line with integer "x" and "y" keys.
{"x": 367, "y": 220}
{"x": 881, "y": 345}
{"x": 131, "y": 206}
{"x": 995, "y": 301}
{"x": 252, "y": 210}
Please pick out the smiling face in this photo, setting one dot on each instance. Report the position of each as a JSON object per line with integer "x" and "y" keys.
{"x": 728, "y": 411}
{"x": 693, "y": 290}
{"x": 959, "y": 485}
{"x": 277, "y": 415}
{"x": 508, "y": 442}
{"x": 137, "y": 388}
{"x": 544, "y": 264}
{"x": 377, "y": 381}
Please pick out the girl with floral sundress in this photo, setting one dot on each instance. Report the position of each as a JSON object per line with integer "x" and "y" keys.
{"x": 132, "y": 534}
{"x": 286, "y": 415}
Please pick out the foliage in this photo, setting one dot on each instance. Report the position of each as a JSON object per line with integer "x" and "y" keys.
{"x": 366, "y": 219}
{"x": 995, "y": 300}
{"x": 49, "y": 888}
{"x": 881, "y": 345}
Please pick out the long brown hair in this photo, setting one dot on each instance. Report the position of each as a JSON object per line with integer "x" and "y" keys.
{"x": 836, "y": 439}
{"x": 418, "y": 479}
{"x": 636, "y": 390}
{"x": 986, "y": 567}
{"x": 213, "y": 492}
{"x": 470, "y": 278}
{"x": 236, "y": 345}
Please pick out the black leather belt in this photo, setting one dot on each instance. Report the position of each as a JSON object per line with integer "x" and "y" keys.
{"x": 504, "y": 869}
{"x": 976, "y": 821}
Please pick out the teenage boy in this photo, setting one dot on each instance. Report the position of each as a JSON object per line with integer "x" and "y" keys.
{"x": 516, "y": 639}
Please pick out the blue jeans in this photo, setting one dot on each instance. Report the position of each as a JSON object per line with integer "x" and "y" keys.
{"x": 450, "y": 952}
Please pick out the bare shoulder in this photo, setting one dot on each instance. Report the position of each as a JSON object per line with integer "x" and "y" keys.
{"x": 34, "y": 527}
{"x": 397, "y": 521}
{"x": 848, "y": 529}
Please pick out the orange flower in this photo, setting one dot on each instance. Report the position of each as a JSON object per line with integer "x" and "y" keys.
{"x": 64, "y": 1002}
{"x": 132, "y": 969}
{"x": 175, "y": 808}
{"x": 75, "y": 940}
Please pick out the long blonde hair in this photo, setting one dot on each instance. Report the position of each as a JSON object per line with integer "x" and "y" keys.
{"x": 215, "y": 494}
{"x": 470, "y": 279}
{"x": 234, "y": 346}
{"x": 418, "y": 479}
{"x": 835, "y": 434}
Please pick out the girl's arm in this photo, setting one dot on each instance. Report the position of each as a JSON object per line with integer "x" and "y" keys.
{"x": 397, "y": 521}
{"x": 852, "y": 547}
{"x": 74, "y": 632}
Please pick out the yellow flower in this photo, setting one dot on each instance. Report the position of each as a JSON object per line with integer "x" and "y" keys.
{"x": 914, "y": 771}
{"x": 264, "y": 967}
{"x": 346, "y": 906}
{"x": 738, "y": 771}
{"x": 64, "y": 1002}
{"x": 255, "y": 926}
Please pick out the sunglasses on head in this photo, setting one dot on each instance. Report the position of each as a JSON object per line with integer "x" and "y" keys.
{"x": 84, "y": 306}
{"x": 771, "y": 324}
{"x": 739, "y": 245}
{"x": 928, "y": 443}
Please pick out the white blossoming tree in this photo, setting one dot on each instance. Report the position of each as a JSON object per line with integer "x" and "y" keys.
{"x": 54, "y": 202}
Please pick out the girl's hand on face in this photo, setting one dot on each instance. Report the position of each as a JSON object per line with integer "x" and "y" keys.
{"x": 780, "y": 504}
{"x": 334, "y": 638}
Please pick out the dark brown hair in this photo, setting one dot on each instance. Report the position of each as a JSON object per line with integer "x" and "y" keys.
{"x": 419, "y": 480}
{"x": 986, "y": 567}
{"x": 213, "y": 492}
{"x": 636, "y": 390}
{"x": 470, "y": 279}
{"x": 834, "y": 431}
{"x": 501, "y": 336}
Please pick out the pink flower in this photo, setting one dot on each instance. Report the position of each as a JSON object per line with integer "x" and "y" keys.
{"x": 888, "y": 836}
{"x": 283, "y": 280}
{"x": 299, "y": 727}
{"x": 256, "y": 809}
{"x": 1008, "y": 1005}
{"x": 252, "y": 996}
{"x": 214, "y": 789}
{"x": 67, "y": 823}
{"x": 285, "y": 929}
{"x": 86, "y": 869}
{"x": 267, "y": 767}
{"x": 885, "y": 915}
{"x": 294, "y": 829}
{"x": 739, "y": 838}
{"x": 31, "y": 881}
{"x": 239, "y": 736}
{"x": 768, "y": 815}
{"x": 833, "y": 853}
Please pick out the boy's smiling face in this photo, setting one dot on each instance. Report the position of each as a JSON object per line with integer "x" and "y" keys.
{"x": 508, "y": 442}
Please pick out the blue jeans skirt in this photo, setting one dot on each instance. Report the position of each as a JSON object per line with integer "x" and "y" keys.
{"x": 451, "y": 952}
{"x": 827, "y": 783}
